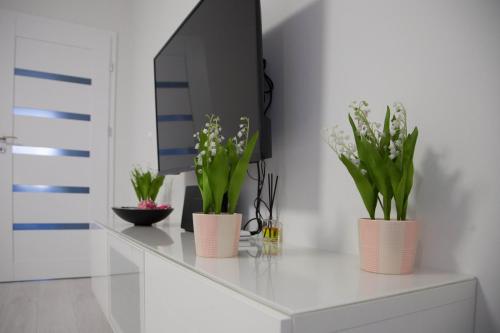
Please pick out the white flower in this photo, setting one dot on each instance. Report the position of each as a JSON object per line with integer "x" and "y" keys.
{"x": 241, "y": 125}
{"x": 363, "y": 130}
{"x": 197, "y": 146}
{"x": 240, "y": 134}
{"x": 200, "y": 162}
{"x": 202, "y": 153}
{"x": 364, "y": 172}
{"x": 392, "y": 130}
{"x": 205, "y": 131}
{"x": 393, "y": 150}
{"x": 200, "y": 171}
{"x": 337, "y": 141}
{"x": 213, "y": 151}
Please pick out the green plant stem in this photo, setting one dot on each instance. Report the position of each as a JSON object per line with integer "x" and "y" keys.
{"x": 387, "y": 208}
{"x": 380, "y": 202}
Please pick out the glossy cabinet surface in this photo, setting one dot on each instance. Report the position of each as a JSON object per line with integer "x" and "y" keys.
{"x": 269, "y": 289}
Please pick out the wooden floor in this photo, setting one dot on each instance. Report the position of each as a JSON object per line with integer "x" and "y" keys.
{"x": 57, "y": 306}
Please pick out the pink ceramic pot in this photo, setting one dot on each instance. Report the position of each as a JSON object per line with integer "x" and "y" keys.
{"x": 216, "y": 235}
{"x": 387, "y": 247}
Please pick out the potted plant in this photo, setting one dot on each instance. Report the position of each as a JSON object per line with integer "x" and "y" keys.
{"x": 221, "y": 167}
{"x": 146, "y": 185}
{"x": 381, "y": 165}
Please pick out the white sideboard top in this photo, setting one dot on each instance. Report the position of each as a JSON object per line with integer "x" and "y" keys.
{"x": 297, "y": 280}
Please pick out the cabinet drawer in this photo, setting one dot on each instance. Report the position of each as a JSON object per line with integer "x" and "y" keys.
{"x": 179, "y": 300}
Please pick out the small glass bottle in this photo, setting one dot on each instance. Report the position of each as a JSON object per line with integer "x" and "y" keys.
{"x": 272, "y": 230}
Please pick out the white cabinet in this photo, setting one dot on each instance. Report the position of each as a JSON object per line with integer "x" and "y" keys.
{"x": 125, "y": 286}
{"x": 450, "y": 318}
{"x": 99, "y": 267}
{"x": 444, "y": 309}
{"x": 179, "y": 300}
{"x": 154, "y": 283}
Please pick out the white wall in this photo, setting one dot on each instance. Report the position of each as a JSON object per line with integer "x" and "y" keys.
{"x": 442, "y": 59}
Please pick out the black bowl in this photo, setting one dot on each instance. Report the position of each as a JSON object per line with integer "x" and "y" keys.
{"x": 143, "y": 217}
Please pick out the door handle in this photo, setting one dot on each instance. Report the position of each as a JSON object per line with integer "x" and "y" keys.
{"x": 5, "y": 141}
{"x": 6, "y": 138}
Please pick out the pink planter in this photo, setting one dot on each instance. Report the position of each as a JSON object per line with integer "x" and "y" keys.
{"x": 387, "y": 247}
{"x": 216, "y": 235}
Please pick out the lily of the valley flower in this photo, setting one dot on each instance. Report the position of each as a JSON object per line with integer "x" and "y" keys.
{"x": 212, "y": 140}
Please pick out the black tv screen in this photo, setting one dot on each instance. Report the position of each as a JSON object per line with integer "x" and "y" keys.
{"x": 211, "y": 65}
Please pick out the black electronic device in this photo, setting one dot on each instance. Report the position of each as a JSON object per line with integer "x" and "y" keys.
{"x": 212, "y": 64}
{"x": 193, "y": 203}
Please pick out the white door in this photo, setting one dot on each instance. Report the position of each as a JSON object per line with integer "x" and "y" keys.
{"x": 55, "y": 100}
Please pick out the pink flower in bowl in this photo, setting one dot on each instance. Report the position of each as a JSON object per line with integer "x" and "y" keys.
{"x": 147, "y": 204}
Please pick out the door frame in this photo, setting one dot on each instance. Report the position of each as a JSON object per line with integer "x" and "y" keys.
{"x": 111, "y": 122}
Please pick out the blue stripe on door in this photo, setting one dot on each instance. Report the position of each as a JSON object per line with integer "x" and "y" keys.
{"x": 171, "y": 84}
{"x": 175, "y": 117}
{"x": 49, "y": 189}
{"x": 50, "y": 226}
{"x": 52, "y": 76}
{"x": 177, "y": 151}
{"x": 40, "y": 113}
{"x": 45, "y": 151}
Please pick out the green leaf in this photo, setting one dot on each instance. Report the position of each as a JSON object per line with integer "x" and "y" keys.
{"x": 155, "y": 186}
{"x": 399, "y": 193}
{"x": 199, "y": 175}
{"x": 206, "y": 193}
{"x": 219, "y": 175}
{"x": 146, "y": 184}
{"x": 239, "y": 174}
{"x": 401, "y": 174}
{"x": 369, "y": 154}
{"x": 408, "y": 153}
{"x": 395, "y": 179}
{"x": 408, "y": 186}
{"x": 136, "y": 189}
{"x": 366, "y": 189}
{"x": 232, "y": 156}
{"x": 385, "y": 140}
{"x": 355, "y": 131}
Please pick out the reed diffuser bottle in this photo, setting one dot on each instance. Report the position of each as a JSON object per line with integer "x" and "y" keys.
{"x": 272, "y": 229}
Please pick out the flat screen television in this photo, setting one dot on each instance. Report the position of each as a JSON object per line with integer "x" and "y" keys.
{"x": 212, "y": 64}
